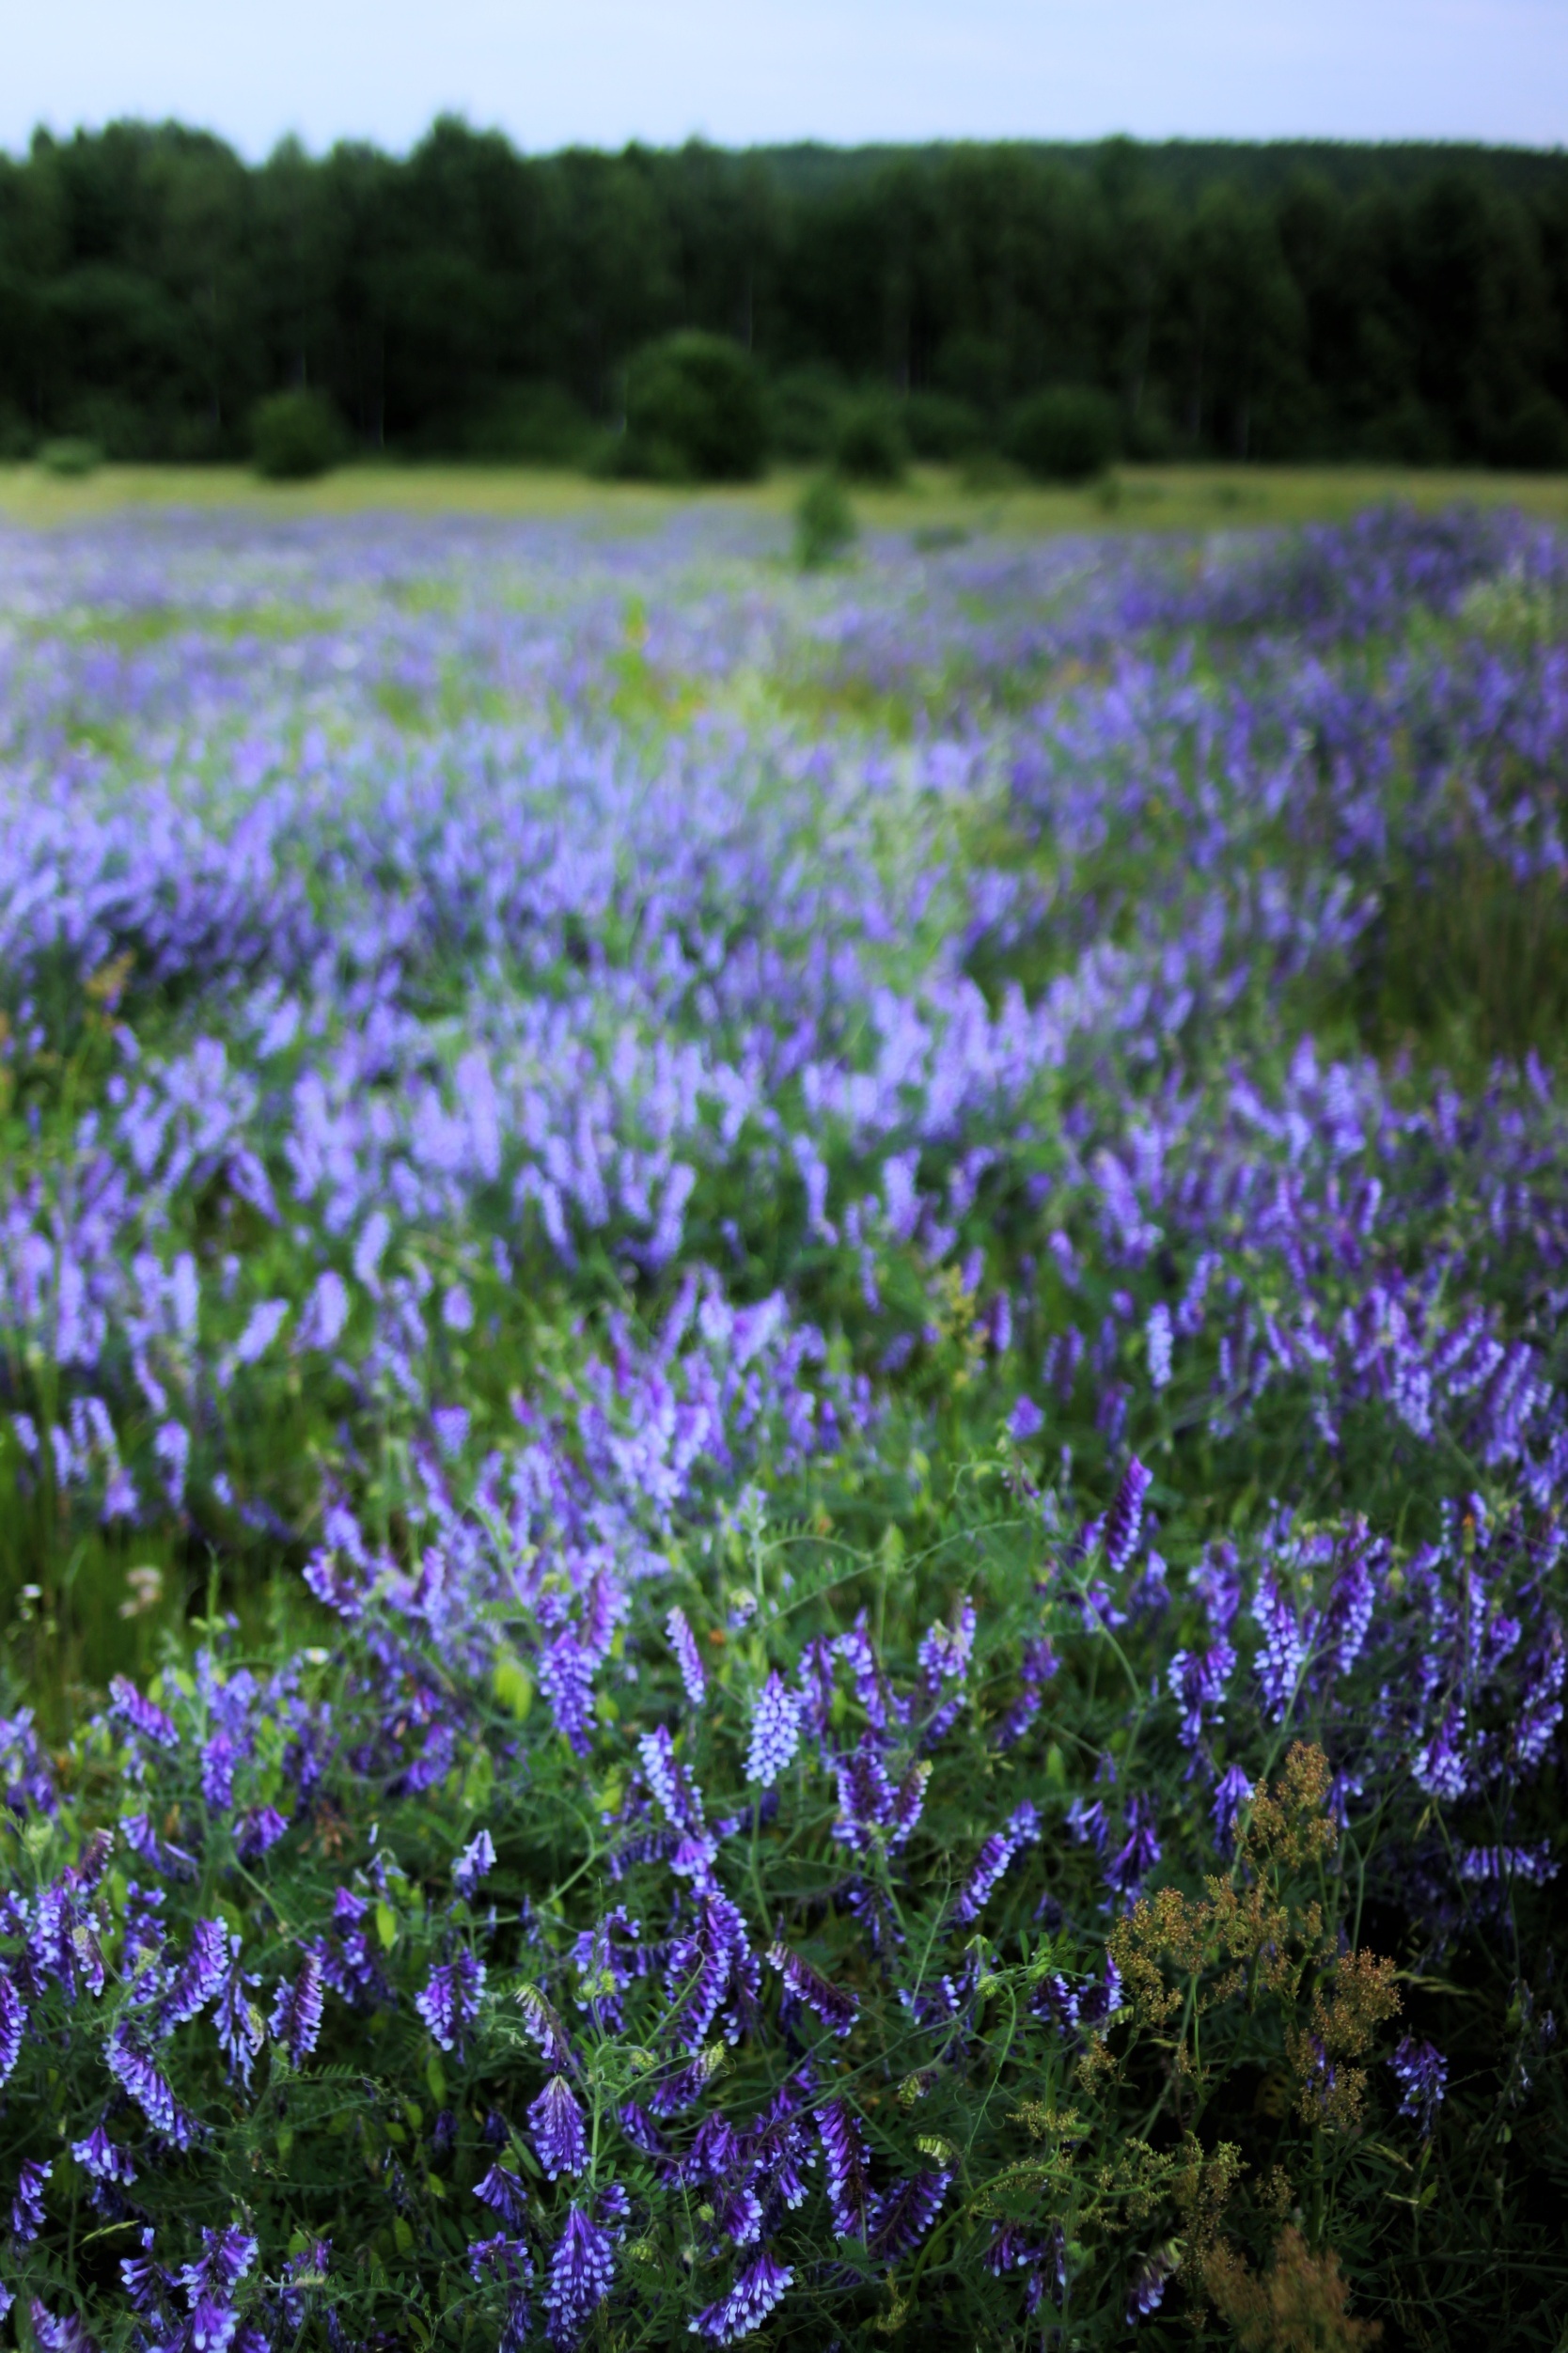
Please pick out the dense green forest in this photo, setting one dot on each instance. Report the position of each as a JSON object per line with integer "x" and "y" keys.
{"x": 1294, "y": 300}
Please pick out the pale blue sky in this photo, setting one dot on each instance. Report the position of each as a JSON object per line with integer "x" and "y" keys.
{"x": 737, "y": 72}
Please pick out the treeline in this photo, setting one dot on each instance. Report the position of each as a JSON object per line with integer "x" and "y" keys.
{"x": 468, "y": 300}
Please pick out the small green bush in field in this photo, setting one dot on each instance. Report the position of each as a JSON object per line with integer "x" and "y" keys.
{"x": 71, "y": 457}
{"x": 1066, "y": 434}
{"x": 824, "y": 523}
{"x": 296, "y": 436}
{"x": 870, "y": 445}
{"x": 694, "y": 412}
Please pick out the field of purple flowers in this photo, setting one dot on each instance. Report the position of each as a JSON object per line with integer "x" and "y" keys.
{"x": 783, "y": 1440}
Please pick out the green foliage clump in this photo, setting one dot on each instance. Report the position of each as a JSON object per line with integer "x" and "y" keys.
{"x": 1534, "y": 440}
{"x": 295, "y": 437}
{"x": 1065, "y": 434}
{"x": 824, "y": 522}
{"x": 870, "y": 445}
{"x": 694, "y": 412}
{"x": 531, "y": 424}
{"x": 941, "y": 427}
{"x": 804, "y": 407}
{"x": 71, "y": 457}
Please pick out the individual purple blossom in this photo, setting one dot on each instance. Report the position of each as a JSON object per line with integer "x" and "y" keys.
{"x": 1147, "y": 2292}
{"x": 1282, "y": 1659}
{"x": 141, "y": 1714}
{"x": 58, "y": 2335}
{"x": 296, "y": 2018}
{"x": 683, "y": 1641}
{"x": 559, "y": 2131}
{"x": 835, "y": 2005}
{"x": 236, "y": 2017}
{"x": 756, "y": 2291}
{"x": 200, "y": 1976}
{"x": 1439, "y": 1766}
{"x": 477, "y": 1859}
{"x": 995, "y": 1855}
{"x": 1125, "y": 1518}
{"x": 775, "y": 1731}
{"x": 582, "y": 2267}
{"x": 1157, "y": 1340}
{"x": 13, "y": 2025}
{"x": 901, "y": 2215}
{"x": 103, "y": 2160}
{"x": 1198, "y": 1681}
{"x": 669, "y": 1781}
{"x": 1132, "y": 1863}
{"x": 1423, "y": 2074}
{"x": 226, "y": 2256}
{"x": 1535, "y": 1866}
{"x": 1232, "y": 1791}
{"x": 137, "y": 2074}
{"x": 544, "y": 2028}
{"x": 501, "y": 2190}
{"x": 1025, "y": 1421}
{"x": 28, "y": 2203}
{"x": 450, "y": 2002}
{"x": 257, "y": 1831}
{"x": 847, "y": 2167}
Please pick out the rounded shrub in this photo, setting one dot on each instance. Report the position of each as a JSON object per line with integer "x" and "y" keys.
{"x": 1535, "y": 438}
{"x": 824, "y": 522}
{"x": 295, "y": 436}
{"x": 870, "y": 445}
{"x": 941, "y": 427}
{"x": 71, "y": 456}
{"x": 1066, "y": 434}
{"x": 694, "y": 412}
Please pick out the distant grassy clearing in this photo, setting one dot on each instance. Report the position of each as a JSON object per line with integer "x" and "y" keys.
{"x": 1185, "y": 498}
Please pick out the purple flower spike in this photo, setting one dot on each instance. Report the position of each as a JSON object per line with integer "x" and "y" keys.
{"x": 477, "y": 1859}
{"x": 844, "y": 2157}
{"x": 774, "y": 1733}
{"x": 993, "y": 1857}
{"x": 503, "y": 2192}
{"x": 759, "y": 2288}
{"x": 101, "y": 2160}
{"x": 581, "y": 2269}
{"x": 556, "y": 2122}
{"x": 1424, "y": 2076}
{"x": 683, "y": 1641}
{"x": 450, "y": 2002}
{"x": 127, "y": 1702}
{"x": 296, "y": 2020}
{"x": 58, "y": 2336}
{"x": 27, "y": 2204}
{"x": 1125, "y": 1516}
{"x": 807, "y": 1986}
{"x": 13, "y": 2023}
{"x": 901, "y": 2218}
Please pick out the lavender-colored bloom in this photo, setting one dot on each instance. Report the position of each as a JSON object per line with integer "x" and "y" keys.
{"x": 28, "y": 2203}
{"x": 142, "y": 1715}
{"x": 774, "y": 1733}
{"x": 226, "y": 2257}
{"x": 237, "y": 2018}
{"x": 1232, "y": 1791}
{"x": 200, "y": 1976}
{"x": 477, "y": 1859}
{"x": 1282, "y": 1660}
{"x": 582, "y": 2267}
{"x": 834, "y": 2004}
{"x": 56, "y": 2334}
{"x": 501, "y": 2190}
{"x": 257, "y": 1830}
{"x": 1025, "y": 1421}
{"x": 559, "y": 2131}
{"x": 847, "y": 2167}
{"x": 450, "y": 2002}
{"x": 1147, "y": 2292}
{"x": 544, "y": 2029}
{"x": 296, "y": 2018}
{"x": 756, "y": 2291}
{"x": 1125, "y": 1516}
{"x": 1157, "y": 1340}
{"x": 1198, "y": 1681}
{"x": 1423, "y": 2074}
{"x": 13, "y": 2025}
{"x": 992, "y": 1859}
{"x": 683, "y": 1641}
{"x": 901, "y": 2217}
{"x": 137, "y": 2074}
{"x": 103, "y": 2160}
